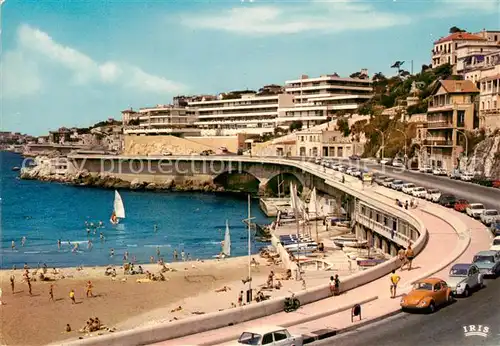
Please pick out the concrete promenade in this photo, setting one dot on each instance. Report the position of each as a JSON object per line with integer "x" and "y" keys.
{"x": 444, "y": 248}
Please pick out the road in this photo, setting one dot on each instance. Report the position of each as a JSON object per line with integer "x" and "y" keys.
{"x": 489, "y": 196}
{"x": 444, "y": 328}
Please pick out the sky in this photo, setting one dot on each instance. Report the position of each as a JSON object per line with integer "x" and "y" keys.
{"x": 74, "y": 63}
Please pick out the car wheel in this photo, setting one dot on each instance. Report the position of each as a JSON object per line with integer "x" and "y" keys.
{"x": 466, "y": 291}
{"x": 432, "y": 307}
{"x": 449, "y": 300}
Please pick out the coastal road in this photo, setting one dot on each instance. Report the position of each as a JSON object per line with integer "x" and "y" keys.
{"x": 489, "y": 196}
{"x": 444, "y": 328}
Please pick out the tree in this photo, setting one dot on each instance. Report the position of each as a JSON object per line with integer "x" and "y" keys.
{"x": 343, "y": 126}
{"x": 378, "y": 77}
{"x": 455, "y": 29}
{"x": 296, "y": 125}
{"x": 398, "y": 65}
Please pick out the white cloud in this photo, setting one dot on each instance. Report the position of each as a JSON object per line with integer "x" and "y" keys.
{"x": 327, "y": 17}
{"x": 39, "y": 48}
{"x": 19, "y": 75}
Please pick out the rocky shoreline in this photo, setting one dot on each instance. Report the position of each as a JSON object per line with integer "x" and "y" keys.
{"x": 43, "y": 172}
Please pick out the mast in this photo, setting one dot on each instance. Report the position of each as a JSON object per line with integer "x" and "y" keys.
{"x": 296, "y": 212}
{"x": 249, "y": 295}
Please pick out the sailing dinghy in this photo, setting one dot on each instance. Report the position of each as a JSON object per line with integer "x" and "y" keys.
{"x": 118, "y": 209}
{"x": 226, "y": 244}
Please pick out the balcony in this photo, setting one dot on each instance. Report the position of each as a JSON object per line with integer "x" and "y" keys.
{"x": 438, "y": 142}
{"x": 438, "y": 124}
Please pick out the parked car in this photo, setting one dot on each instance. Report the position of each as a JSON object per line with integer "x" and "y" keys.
{"x": 466, "y": 176}
{"x": 354, "y": 157}
{"x": 495, "y": 245}
{"x": 439, "y": 171}
{"x": 475, "y": 210}
{"x": 496, "y": 184}
{"x": 269, "y": 335}
{"x": 419, "y": 192}
{"x": 447, "y": 200}
{"x": 408, "y": 187}
{"x": 433, "y": 195}
{"x": 356, "y": 173}
{"x": 341, "y": 168}
{"x": 455, "y": 174}
{"x": 397, "y": 163}
{"x": 489, "y": 216}
{"x": 464, "y": 278}
{"x": 379, "y": 179}
{"x": 482, "y": 180}
{"x": 387, "y": 182}
{"x": 317, "y": 160}
{"x": 427, "y": 294}
{"x": 386, "y": 162}
{"x": 425, "y": 169}
{"x": 461, "y": 205}
{"x": 488, "y": 262}
{"x": 349, "y": 170}
{"x": 397, "y": 184}
{"x": 495, "y": 228}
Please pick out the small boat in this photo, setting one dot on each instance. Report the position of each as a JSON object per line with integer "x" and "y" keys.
{"x": 118, "y": 209}
{"x": 226, "y": 244}
{"x": 369, "y": 262}
{"x": 342, "y": 239}
{"x": 356, "y": 244}
{"x": 15, "y": 169}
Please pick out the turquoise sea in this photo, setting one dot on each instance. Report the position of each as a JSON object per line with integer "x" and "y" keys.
{"x": 45, "y": 212}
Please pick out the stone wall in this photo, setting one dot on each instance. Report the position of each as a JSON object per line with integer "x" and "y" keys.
{"x": 486, "y": 158}
{"x": 157, "y": 145}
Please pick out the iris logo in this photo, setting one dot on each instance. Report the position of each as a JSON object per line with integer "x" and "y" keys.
{"x": 476, "y": 330}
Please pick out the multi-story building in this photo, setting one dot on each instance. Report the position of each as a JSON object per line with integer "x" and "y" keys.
{"x": 322, "y": 98}
{"x": 489, "y": 102}
{"x": 240, "y": 113}
{"x": 451, "y": 111}
{"x": 326, "y": 143}
{"x": 160, "y": 120}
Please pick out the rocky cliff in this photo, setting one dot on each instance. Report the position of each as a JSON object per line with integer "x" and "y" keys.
{"x": 158, "y": 145}
{"x": 486, "y": 158}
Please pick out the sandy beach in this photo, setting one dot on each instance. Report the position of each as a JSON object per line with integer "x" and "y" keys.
{"x": 119, "y": 302}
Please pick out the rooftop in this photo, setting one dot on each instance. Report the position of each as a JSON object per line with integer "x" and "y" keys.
{"x": 460, "y": 36}
{"x": 459, "y": 86}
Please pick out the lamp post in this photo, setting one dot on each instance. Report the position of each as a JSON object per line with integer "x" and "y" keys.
{"x": 406, "y": 140}
{"x": 383, "y": 141}
{"x": 249, "y": 224}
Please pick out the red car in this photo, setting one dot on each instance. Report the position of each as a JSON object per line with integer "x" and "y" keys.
{"x": 461, "y": 205}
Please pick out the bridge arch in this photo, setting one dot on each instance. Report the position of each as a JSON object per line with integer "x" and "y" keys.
{"x": 279, "y": 184}
{"x": 238, "y": 180}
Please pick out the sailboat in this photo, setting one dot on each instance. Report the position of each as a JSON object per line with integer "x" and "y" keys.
{"x": 226, "y": 244}
{"x": 118, "y": 209}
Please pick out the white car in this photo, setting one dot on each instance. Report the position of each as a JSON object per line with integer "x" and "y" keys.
{"x": 467, "y": 176}
{"x": 269, "y": 335}
{"x": 385, "y": 161}
{"x": 489, "y": 216}
{"x": 495, "y": 245}
{"x": 396, "y": 185}
{"x": 419, "y": 192}
{"x": 425, "y": 169}
{"x": 397, "y": 163}
{"x": 317, "y": 160}
{"x": 475, "y": 210}
{"x": 433, "y": 195}
{"x": 408, "y": 188}
{"x": 464, "y": 278}
{"x": 439, "y": 171}
{"x": 356, "y": 173}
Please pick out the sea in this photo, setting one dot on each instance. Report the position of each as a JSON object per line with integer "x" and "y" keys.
{"x": 45, "y": 212}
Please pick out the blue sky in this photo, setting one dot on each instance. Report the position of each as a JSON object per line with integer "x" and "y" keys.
{"x": 73, "y": 63}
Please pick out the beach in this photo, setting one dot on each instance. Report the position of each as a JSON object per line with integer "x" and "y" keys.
{"x": 120, "y": 302}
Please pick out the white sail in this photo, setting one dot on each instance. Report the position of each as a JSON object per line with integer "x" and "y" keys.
{"x": 119, "y": 209}
{"x": 313, "y": 203}
{"x": 293, "y": 201}
{"x": 226, "y": 249}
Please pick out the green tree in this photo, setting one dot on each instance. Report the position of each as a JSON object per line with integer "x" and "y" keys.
{"x": 343, "y": 126}
{"x": 296, "y": 125}
{"x": 455, "y": 29}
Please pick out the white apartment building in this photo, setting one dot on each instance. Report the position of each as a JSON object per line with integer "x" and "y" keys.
{"x": 249, "y": 113}
{"x": 160, "y": 120}
{"x": 321, "y": 98}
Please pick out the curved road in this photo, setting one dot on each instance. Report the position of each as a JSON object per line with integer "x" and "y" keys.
{"x": 444, "y": 328}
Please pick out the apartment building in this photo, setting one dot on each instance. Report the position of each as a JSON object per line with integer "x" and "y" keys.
{"x": 240, "y": 113}
{"x": 322, "y": 98}
{"x": 160, "y": 120}
{"x": 326, "y": 143}
{"x": 451, "y": 112}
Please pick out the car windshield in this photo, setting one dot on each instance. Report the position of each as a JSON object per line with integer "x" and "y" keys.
{"x": 249, "y": 338}
{"x": 410, "y": 185}
{"x": 434, "y": 191}
{"x": 481, "y": 258}
{"x": 477, "y": 206}
{"x": 420, "y": 189}
{"x": 491, "y": 212}
{"x": 397, "y": 182}
{"x": 458, "y": 272}
{"x": 424, "y": 286}
{"x": 496, "y": 241}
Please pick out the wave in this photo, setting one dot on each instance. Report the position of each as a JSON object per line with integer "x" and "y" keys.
{"x": 162, "y": 245}
{"x": 32, "y": 252}
{"x": 131, "y": 245}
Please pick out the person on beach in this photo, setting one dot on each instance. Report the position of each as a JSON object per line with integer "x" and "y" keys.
{"x": 59, "y": 244}
{"x": 89, "y": 244}
{"x": 155, "y": 228}
{"x": 88, "y": 232}
{"x": 175, "y": 255}
{"x": 12, "y": 283}
{"x": 158, "y": 253}
{"x": 75, "y": 248}
{"x": 13, "y": 245}
{"x": 23, "y": 241}
{"x": 89, "y": 289}
{"x": 409, "y": 256}
{"x": 101, "y": 236}
{"x": 152, "y": 259}
{"x": 51, "y": 292}
{"x": 125, "y": 256}
{"x": 112, "y": 252}
{"x": 394, "y": 283}
{"x": 183, "y": 255}
{"x": 28, "y": 281}
{"x": 26, "y": 267}
{"x": 45, "y": 268}
{"x": 100, "y": 224}
{"x": 72, "y": 296}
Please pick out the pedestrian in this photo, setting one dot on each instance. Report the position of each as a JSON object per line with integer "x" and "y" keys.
{"x": 402, "y": 258}
{"x": 175, "y": 255}
{"x": 240, "y": 298}
{"x": 332, "y": 285}
{"x": 23, "y": 241}
{"x": 59, "y": 244}
{"x": 406, "y": 205}
{"x": 183, "y": 255}
{"x": 158, "y": 251}
{"x": 409, "y": 255}
{"x": 152, "y": 259}
{"x": 394, "y": 283}
{"x": 51, "y": 292}
{"x": 28, "y": 281}
{"x": 336, "y": 290}
{"x": 12, "y": 283}
{"x": 89, "y": 289}
{"x": 72, "y": 296}
{"x": 13, "y": 245}
{"x": 111, "y": 252}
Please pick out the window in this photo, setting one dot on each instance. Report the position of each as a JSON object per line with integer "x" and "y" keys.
{"x": 267, "y": 339}
{"x": 280, "y": 335}
{"x": 437, "y": 286}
